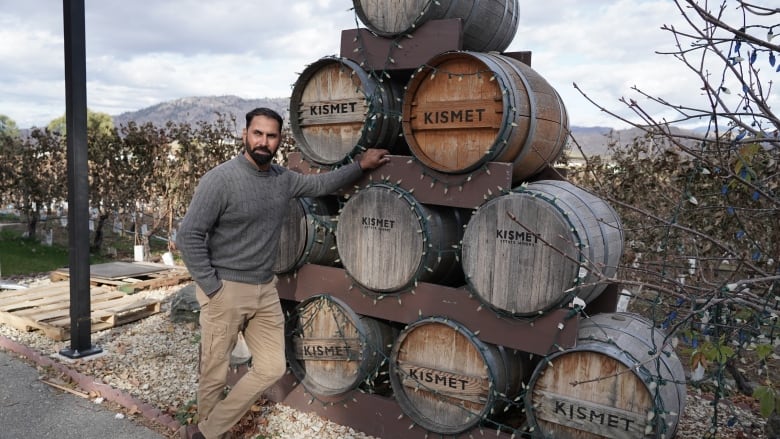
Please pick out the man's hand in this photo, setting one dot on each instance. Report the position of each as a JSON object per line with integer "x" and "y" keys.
{"x": 373, "y": 158}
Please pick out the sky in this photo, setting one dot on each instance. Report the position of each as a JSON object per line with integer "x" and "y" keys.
{"x": 143, "y": 52}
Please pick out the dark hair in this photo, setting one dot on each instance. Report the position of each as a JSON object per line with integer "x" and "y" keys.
{"x": 263, "y": 111}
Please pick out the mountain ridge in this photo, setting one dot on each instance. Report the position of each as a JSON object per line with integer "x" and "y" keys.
{"x": 195, "y": 109}
{"x": 593, "y": 140}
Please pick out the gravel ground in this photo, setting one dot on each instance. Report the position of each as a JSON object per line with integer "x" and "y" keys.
{"x": 155, "y": 361}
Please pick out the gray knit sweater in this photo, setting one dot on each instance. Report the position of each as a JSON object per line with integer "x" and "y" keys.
{"x": 232, "y": 226}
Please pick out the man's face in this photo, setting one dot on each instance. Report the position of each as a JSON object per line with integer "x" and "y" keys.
{"x": 261, "y": 140}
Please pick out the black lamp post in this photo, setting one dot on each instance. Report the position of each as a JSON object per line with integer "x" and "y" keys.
{"x": 78, "y": 183}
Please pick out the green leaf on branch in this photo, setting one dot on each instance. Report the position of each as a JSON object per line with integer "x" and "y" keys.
{"x": 766, "y": 398}
{"x": 764, "y": 351}
{"x": 719, "y": 353}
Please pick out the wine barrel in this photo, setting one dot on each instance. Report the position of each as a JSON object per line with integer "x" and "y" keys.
{"x": 465, "y": 109}
{"x": 337, "y": 108}
{"x": 447, "y": 380}
{"x": 332, "y": 350}
{"x": 535, "y": 248}
{"x": 388, "y": 241}
{"x": 308, "y": 234}
{"x": 623, "y": 379}
{"x": 487, "y": 25}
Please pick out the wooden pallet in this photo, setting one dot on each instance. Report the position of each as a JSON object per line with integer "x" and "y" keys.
{"x": 130, "y": 277}
{"x": 47, "y": 309}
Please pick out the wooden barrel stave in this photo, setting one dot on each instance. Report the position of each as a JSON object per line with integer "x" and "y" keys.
{"x": 544, "y": 122}
{"x": 613, "y": 396}
{"x": 387, "y": 240}
{"x": 332, "y": 350}
{"x": 465, "y": 109}
{"x": 597, "y": 219}
{"x": 618, "y": 333}
{"x": 337, "y": 108}
{"x": 447, "y": 380}
{"x": 308, "y": 234}
{"x": 487, "y": 25}
{"x": 551, "y": 250}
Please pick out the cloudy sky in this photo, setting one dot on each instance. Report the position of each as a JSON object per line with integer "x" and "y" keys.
{"x": 143, "y": 52}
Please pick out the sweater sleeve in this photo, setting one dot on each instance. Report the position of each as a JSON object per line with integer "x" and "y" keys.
{"x": 191, "y": 238}
{"x": 317, "y": 185}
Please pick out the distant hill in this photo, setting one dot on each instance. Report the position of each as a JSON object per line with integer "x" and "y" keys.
{"x": 201, "y": 108}
{"x": 593, "y": 140}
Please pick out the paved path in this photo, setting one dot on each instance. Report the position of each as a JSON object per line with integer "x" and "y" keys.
{"x": 31, "y": 409}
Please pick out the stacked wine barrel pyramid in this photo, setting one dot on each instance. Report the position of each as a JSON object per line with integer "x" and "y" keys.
{"x": 528, "y": 248}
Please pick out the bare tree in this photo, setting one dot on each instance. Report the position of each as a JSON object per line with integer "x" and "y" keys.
{"x": 701, "y": 208}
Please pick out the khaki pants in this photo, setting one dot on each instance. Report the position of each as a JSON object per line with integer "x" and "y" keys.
{"x": 221, "y": 318}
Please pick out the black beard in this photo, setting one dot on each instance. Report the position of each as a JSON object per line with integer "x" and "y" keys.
{"x": 260, "y": 159}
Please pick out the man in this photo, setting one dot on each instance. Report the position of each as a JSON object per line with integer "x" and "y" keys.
{"x": 228, "y": 241}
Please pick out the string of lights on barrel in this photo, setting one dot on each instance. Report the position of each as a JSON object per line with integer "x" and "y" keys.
{"x": 453, "y": 281}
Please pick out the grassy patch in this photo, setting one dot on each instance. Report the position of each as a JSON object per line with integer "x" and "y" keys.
{"x": 24, "y": 256}
{"x": 9, "y": 218}
{"x": 20, "y": 256}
